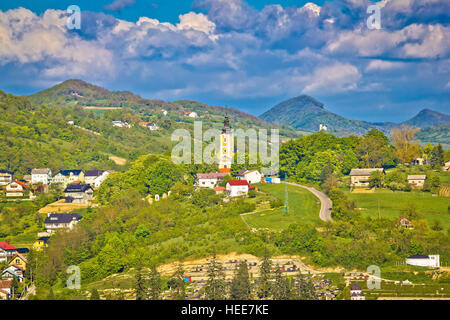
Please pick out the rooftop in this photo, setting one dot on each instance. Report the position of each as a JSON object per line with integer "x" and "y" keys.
{"x": 238, "y": 182}
{"x": 365, "y": 171}
{"x": 62, "y": 217}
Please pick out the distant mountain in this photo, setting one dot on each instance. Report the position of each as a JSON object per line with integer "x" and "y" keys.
{"x": 428, "y": 118}
{"x": 439, "y": 134}
{"x": 306, "y": 113}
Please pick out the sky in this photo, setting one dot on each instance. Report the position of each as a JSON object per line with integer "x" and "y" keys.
{"x": 245, "y": 54}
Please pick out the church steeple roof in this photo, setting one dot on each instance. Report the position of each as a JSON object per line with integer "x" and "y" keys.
{"x": 226, "y": 125}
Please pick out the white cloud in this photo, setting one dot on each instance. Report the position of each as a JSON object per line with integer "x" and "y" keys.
{"x": 338, "y": 77}
{"x": 383, "y": 65}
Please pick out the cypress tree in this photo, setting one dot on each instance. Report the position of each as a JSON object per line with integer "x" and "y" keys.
{"x": 215, "y": 285}
{"x": 240, "y": 288}
{"x": 94, "y": 295}
{"x": 140, "y": 284}
{"x": 179, "y": 284}
{"x": 281, "y": 289}
{"x": 154, "y": 284}
{"x": 265, "y": 275}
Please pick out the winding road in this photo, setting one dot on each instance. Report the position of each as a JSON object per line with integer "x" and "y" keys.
{"x": 326, "y": 203}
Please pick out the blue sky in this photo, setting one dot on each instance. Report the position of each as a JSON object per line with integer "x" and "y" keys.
{"x": 244, "y": 54}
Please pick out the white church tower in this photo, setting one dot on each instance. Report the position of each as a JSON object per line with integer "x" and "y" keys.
{"x": 226, "y": 147}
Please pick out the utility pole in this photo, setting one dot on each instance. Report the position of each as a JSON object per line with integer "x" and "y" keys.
{"x": 286, "y": 199}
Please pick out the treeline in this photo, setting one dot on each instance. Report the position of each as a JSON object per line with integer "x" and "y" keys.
{"x": 315, "y": 157}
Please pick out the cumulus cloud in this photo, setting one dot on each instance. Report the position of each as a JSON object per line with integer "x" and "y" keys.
{"x": 227, "y": 49}
{"x": 118, "y": 5}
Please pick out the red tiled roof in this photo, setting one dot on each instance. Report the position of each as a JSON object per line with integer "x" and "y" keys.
{"x": 5, "y": 284}
{"x": 7, "y": 246}
{"x": 238, "y": 182}
{"x": 219, "y": 189}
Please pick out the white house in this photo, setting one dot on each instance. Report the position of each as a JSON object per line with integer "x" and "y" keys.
{"x": 121, "y": 124}
{"x": 252, "y": 176}
{"x": 66, "y": 177}
{"x": 78, "y": 193}
{"x": 236, "y": 188}
{"x": 356, "y": 292}
{"x": 421, "y": 260}
{"x": 6, "y": 177}
{"x": 42, "y": 176}
{"x": 56, "y": 221}
{"x": 417, "y": 181}
{"x": 361, "y": 177}
{"x": 192, "y": 114}
{"x": 99, "y": 180}
{"x": 91, "y": 175}
{"x": 15, "y": 189}
{"x": 149, "y": 125}
{"x": 323, "y": 127}
{"x": 6, "y": 251}
{"x": 209, "y": 180}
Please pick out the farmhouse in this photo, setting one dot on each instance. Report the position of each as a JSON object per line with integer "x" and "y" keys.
{"x": 419, "y": 162}
{"x": 66, "y": 177}
{"x": 252, "y": 176}
{"x": 15, "y": 189}
{"x": 40, "y": 243}
{"x": 121, "y": 124}
{"x": 209, "y": 180}
{"x": 78, "y": 193}
{"x": 6, "y": 177}
{"x": 19, "y": 260}
{"x": 5, "y": 289}
{"x": 447, "y": 166}
{"x": 356, "y": 292}
{"x": 13, "y": 271}
{"x": 6, "y": 251}
{"x": 41, "y": 176}
{"x": 424, "y": 261}
{"x": 56, "y": 221}
{"x": 361, "y": 177}
{"x": 236, "y": 188}
{"x": 417, "y": 181}
{"x": 403, "y": 222}
{"x": 149, "y": 125}
{"x": 91, "y": 175}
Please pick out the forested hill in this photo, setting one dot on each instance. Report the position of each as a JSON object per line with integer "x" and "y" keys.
{"x": 78, "y": 92}
{"x": 39, "y": 136}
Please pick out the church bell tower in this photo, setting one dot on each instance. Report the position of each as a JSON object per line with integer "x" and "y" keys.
{"x": 226, "y": 147}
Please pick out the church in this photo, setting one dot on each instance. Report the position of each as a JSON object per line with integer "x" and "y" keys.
{"x": 226, "y": 147}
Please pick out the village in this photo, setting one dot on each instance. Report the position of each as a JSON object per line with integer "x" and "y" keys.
{"x": 79, "y": 188}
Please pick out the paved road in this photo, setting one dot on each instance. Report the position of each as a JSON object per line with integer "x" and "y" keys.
{"x": 326, "y": 203}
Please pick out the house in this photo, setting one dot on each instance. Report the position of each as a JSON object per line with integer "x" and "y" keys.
{"x": 209, "y": 180}
{"x": 55, "y": 221}
{"x": 419, "y": 162}
{"x": 66, "y": 177}
{"x": 13, "y": 271}
{"x": 149, "y": 125}
{"x": 323, "y": 127}
{"x": 447, "y": 166}
{"x": 403, "y": 222}
{"x": 252, "y": 176}
{"x": 41, "y": 176}
{"x": 356, "y": 292}
{"x": 99, "y": 180}
{"x": 417, "y": 181}
{"x": 191, "y": 114}
{"x": 121, "y": 124}
{"x": 40, "y": 243}
{"x": 219, "y": 190}
{"x": 91, "y": 175}
{"x": 18, "y": 260}
{"x": 15, "y": 189}
{"x": 78, "y": 193}
{"x": 421, "y": 260}
{"x": 361, "y": 177}
{"x": 6, "y": 177}
{"x": 5, "y": 289}
{"x": 6, "y": 251}
{"x": 236, "y": 188}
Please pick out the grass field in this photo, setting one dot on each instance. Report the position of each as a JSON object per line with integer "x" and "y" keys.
{"x": 303, "y": 207}
{"x": 391, "y": 204}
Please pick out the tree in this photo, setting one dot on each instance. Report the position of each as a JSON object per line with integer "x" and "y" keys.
{"x": 437, "y": 157}
{"x": 376, "y": 179}
{"x": 304, "y": 289}
{"x": 265, "y": 275}
{"x": 437, "y": 225}
{"x": 140, "y": 287}
{"x": 240, "y": 288}
{"x": 51, "y": 295}
{"x": 282, "y": 287}
{"x": 178, "y": 283}
{"x": 410, "y": 212}
{"x": 406, "y": 148}
{"x": 154, "y": 284}
{"x": 95, "y": 295}
{"x": 215, "y": 285}
{"x": 374, "y": 150}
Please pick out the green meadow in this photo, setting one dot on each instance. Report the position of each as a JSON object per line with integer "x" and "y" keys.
{"x": 303, "y": 207}
{"x": 389, "y": 204}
